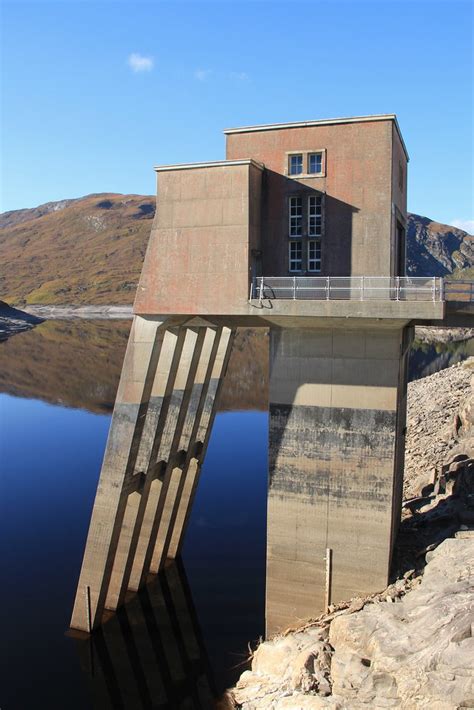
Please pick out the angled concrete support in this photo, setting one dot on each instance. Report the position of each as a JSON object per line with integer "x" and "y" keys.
{"x": 336, "y": 410}
{"x": 198, "y": 442}
{"x": 141, "y": 358}
{"x": 162, "y": 418}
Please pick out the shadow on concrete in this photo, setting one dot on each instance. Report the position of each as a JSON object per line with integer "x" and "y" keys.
{"x": 336, "y": 242}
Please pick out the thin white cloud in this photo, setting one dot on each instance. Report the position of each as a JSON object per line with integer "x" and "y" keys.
{"x": 202, "y": 74}
{"x": 139, "y": 63}
{"x": 466, "y": 224}
{"x": 239, "y": 75}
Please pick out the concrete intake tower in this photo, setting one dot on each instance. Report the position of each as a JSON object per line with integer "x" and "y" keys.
{"x": 301, "y": 230}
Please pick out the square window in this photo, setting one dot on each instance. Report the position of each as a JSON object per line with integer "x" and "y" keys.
{"x": 315, "y": 163}
{"x": 295, "y": 166}
{"x": 295, "y": 254}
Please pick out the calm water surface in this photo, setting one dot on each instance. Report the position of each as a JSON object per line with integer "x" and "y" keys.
{"x": 184, "y": 640}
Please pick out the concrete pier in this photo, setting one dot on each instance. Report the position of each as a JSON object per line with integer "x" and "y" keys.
{"x": 334, "y": 474}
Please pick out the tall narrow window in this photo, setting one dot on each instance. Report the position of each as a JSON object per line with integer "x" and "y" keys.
{"x": 315, "y": 163}
{"x": 314, "y": 255}
{"x": 295, "y": 164}
{"x": 296, "y": 253}
{"x": 296, "y": 216}
{"x": 315, "y": 216}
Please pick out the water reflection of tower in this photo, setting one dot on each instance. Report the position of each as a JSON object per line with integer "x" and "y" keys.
{"x": 150, "y": 654}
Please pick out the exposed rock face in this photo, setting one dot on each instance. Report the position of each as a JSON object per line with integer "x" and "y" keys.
{"x": 417, "y": 652}
{"x": 435, "y": 249}
{"x": 433, "y": 431}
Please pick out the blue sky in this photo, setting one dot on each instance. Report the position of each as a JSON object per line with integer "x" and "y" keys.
{"x": 96, "y": 93}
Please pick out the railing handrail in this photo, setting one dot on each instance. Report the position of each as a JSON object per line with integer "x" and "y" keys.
{"x": 397, "y": 288}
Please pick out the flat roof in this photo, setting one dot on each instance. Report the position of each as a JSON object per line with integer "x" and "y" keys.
{"x": 321, "y": 122}
{"x": 212, "y": 164}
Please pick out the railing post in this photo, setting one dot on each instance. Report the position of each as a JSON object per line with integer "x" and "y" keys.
{"x": 433, "y": 288}
{"x": 328, "y": 286}
{"x": 361, "y": 288}
{"x": 398, "y": 288}
{"x": 294, "y": 287}
{"x": 261, "y": 289}
{"x": 251, "y": 289}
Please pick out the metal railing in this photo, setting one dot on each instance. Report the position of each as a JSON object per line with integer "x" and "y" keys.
{"x": 348, "y": 288}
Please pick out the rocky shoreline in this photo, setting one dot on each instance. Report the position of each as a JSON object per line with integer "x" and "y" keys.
{"x": 411, "y": 645}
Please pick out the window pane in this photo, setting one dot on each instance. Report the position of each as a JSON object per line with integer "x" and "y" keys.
{"x": 296, "y": 216}
{"x": 315, "y": 163}
{"x": 296, "y": 164}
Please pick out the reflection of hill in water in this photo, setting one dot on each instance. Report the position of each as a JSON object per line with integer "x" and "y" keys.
{"x": 77, "y": 364}
{"x": 428, "y": 358}
{"x": 74, "y": 363}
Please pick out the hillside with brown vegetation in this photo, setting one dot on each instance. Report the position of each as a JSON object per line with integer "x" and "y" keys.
{"x": 88, "y": 250}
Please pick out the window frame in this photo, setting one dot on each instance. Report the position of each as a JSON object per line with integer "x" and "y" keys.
{"x": 317, "y": 243}
{"x": 314, "y": 172}
{"x": 305, "y": 154}
{"x": 299, "y": 234}
{"x": 295, "y": 245}
{"x": 291, "y": 156}
{"x": 315, "y": 216}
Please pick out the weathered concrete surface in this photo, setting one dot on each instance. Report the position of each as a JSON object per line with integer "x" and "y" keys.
{"x": 335, "y": 412}
{"x": 198, "y": 258}
{"x": 162, "y": 418}
{"x": 360, "y": 181}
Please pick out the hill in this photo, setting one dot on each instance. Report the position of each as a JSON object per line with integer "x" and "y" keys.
{"x": 90, "y": 250}
{"x": 435, "y": 249}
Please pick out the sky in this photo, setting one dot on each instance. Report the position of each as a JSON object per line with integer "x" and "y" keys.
{"x": 94, "y": 94}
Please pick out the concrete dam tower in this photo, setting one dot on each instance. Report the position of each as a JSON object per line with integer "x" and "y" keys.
{"x": 300, "y": 230}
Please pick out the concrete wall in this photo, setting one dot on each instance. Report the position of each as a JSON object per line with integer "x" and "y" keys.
{"x": 399, "y": 199}
{"x": 334, "y": 395}
{"x": 198, "y": 256}
{"x": 357, "y": 183}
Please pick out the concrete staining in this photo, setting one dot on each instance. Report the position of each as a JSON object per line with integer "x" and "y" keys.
{"x": 160, "y": 427}
{"x": 332, "y": 466}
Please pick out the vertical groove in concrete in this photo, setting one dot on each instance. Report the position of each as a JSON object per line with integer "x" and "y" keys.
{"x": 180, "y": 372}
{"x": 132, "y": 399}
{"x": 168, "y": 450}
{"x": 166, "y": 370}
{"x": 162, "y": 382}
{"x": 203, "y": 431}
{"x": 187, "y": 443}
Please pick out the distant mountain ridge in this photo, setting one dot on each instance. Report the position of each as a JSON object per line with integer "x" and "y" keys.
{"x": 90, "y": 250}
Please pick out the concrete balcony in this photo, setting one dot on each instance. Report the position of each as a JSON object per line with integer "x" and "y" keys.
{"x": 366, "y": 297}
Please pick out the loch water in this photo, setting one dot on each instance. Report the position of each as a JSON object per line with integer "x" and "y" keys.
{"x": 183, "y": 640}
